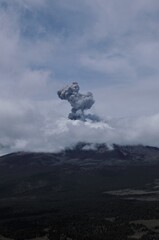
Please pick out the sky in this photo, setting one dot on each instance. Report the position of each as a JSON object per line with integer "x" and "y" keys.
{"x": 109, "y": 47}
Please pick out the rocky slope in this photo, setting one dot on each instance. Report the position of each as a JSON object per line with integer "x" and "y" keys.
{"x": 87, "y": 181}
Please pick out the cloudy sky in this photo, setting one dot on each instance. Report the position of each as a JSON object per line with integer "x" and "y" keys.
{"x": 111, "y": 47}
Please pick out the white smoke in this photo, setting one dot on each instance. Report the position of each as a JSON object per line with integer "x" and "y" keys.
{"x": 79, "y": 102}
{"x": 141, "y": 130}
{"x": 28, "y": 126}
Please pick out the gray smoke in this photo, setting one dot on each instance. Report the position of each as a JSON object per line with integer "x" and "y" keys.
{"x": 79, "y": 102}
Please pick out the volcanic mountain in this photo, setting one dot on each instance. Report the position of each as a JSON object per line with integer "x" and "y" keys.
{"x": 86, "y": 192}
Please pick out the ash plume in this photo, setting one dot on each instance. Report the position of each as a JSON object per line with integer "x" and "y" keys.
{"x": 79, "y": 102}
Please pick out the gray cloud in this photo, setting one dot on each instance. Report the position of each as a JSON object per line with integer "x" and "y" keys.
{"x": 79, "y": 102}
{"x": 110, "y": 47}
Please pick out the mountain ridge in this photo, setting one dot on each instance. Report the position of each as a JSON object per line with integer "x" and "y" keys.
{"x": 138, "y": 153}
{"x": 84, "y": 184}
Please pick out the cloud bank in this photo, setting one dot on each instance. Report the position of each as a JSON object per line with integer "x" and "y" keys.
{"x": 110, "y": 48}
{"x": 27, "y": 127}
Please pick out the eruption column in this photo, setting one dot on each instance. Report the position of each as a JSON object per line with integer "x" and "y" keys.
{"x": 79, "y": 102}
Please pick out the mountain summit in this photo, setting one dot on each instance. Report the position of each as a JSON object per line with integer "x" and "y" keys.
{"x": 87, "y": 183}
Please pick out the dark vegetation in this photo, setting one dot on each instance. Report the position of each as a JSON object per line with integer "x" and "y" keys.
{"x": 67, "y": 195}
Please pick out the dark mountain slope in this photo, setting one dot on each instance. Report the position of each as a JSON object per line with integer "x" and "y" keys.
{"x": 80, "y": 183}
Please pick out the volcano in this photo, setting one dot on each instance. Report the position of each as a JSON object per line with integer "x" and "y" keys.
{"x": 81, "y": 193}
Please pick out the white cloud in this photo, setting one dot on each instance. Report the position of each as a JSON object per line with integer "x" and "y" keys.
{"x": 26, "y": 126}
{"x": 110, "y": 47}
{"x": 112, "y": 65}
{"x": 143, "y": 130}
{"x": 30, "y": 3}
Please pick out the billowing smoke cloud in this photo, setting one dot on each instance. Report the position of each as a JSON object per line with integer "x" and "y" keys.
{"x": 30, "y": 126}
{"x": 79, "y": 102}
